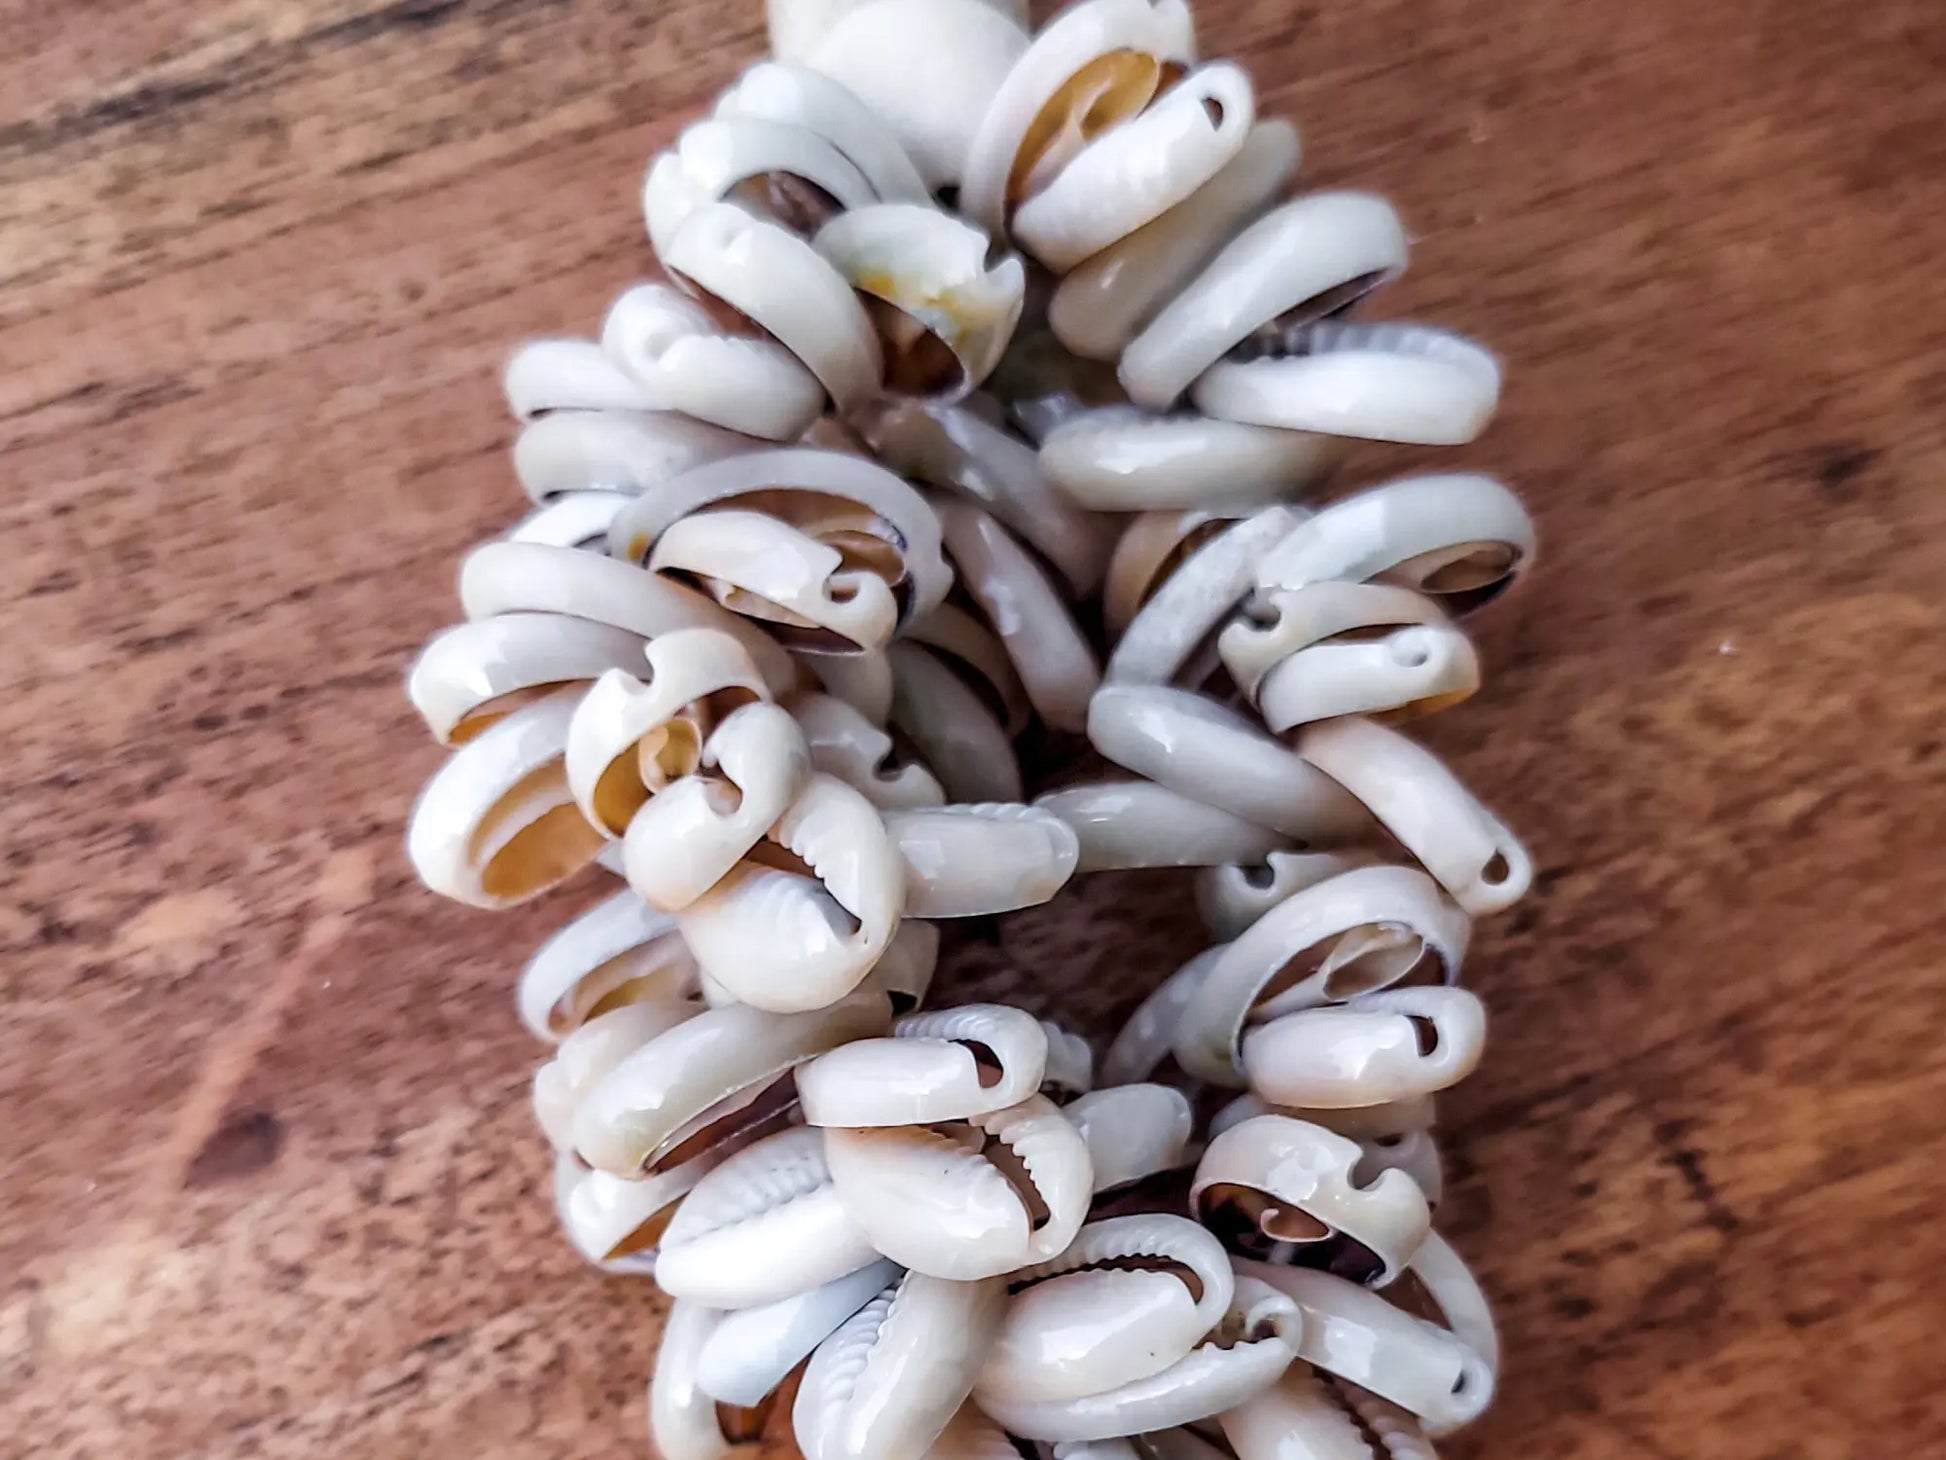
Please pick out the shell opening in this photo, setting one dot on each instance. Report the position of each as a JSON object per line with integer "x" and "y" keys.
{"x": 1008, "y": 1162}
{"x": 1251, "y": 1221}
{"x": 1109, "y": 89}
{"x": 796, "y": 202}
{"x": 742, "y": 1116}
{"x": 917, "y": 361}
{"x": 1425, "y": 1032}
{"x": 1463, "y": 578}
{"x": 1288, "y": 336}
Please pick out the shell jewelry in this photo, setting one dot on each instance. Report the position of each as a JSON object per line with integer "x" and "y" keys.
{"x": 987, "y": 402}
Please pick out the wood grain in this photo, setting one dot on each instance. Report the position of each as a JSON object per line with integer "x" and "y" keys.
{"x": 270, "y": 1183}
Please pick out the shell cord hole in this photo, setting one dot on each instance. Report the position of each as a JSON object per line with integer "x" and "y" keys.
{"x": 1497, "y": 870}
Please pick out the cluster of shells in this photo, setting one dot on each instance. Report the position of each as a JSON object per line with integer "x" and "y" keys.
{"x": 978, "y": 407}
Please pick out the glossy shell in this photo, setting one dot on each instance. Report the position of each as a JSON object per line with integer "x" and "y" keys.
{"x": 685, "y": 1423}
{"x": 948, "y": 1064}
{"x": 1233, "y": 897}
{"x": 845, "y": 743}
{"x": 1373, "y": 1050}
{"x": 618, "y": 950}
{"x": 969, "y": 861}
{"x": 474, "y": 673}
{"x": 952, "y": 727}
{"x": 751, "y": 1351}
{"x": 1131, "y": 1131}
{"x": 1307, "y": 1415}
{"x": 1124, "y": 824}
{"x": 1122, "y": 459}
{"x": 616, "y": 451}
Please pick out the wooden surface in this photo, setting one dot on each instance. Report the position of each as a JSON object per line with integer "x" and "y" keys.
{"x": 270, "y": 1183}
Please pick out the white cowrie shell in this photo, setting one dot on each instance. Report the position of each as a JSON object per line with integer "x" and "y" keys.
{"x": 786, "y": 940}
{"x": 496, "y": 824}
{"x": 619, "y": 451}
{"x": 1432, "y": 1372}
{"x": 926, "y": 69}
{"x": 1133, "y": 173}
{"x": 753, "y": 1350}
{"x": 799, "y": 588}
{"x": 1299, "y": 262}
{"x": 1131, "y": 1131}
{"x": 1450, "y": 1283}
{"x": 952, "y": 728}
{"x": 1232, "y": 898}
{"x": 1052, "y": 657}
{"x": 1070, "y": 1068}
{"x": 1252, "y": 1345}
{"x": 1367, "y": 1051}
{"x": 969, "y": 861}
{"x": 1307, "y": 1415}
{"x": 1180, "y": 617}
{"x": 1210, "y": 753}
{"x": 613, "y": 1223}
{"x": 948, "y": 1064}
{"x": 717, "y": 1065}
{"x": 1100, "y": 306}
{"x": 1152, "y": 546}
{"x": 787, "y": 173}
{"x": 970, "y": 1435}
{"x": 1375, "y": 382}
{"x": 671, "y": 347}
{"x": 1275, "y": 1186}
{"x": 891, "y": 1378}
{"x": 586, "y": 1057}
{"x": 1126, "y": 824}
{"x": 795, "y": 94}
{"x": 694, "y": 830}
{"x": 1422, "y": 803}
{"x": 1366, "y": 929}
{"x": 841, "y": 499}
{"x": 904, "y": 972}
{"x": 617, "y": 951}
{"x": 1123, "y": 459}
{"x": 943, "y": 314}
{"x": 1043, "y": 385}
{"x": 631, "y": 737}
{"x": 768, "y": 275}
{"x": 527, "y": 577}
{"x": 957, "y": 449}
{"x": 764, "y": 1225}
{"x": 862, "y": 681}
{"x": 932, "y": 1204}
{"x": 1130, "y": 1296}
{"x": 1145, "y": 1038}
{"x": 1395, "y": 1137}
{"x": 549, "y": 375}
{"x": 470, "y": 675}
{"x": 845, "y": 744}
{"x": 685, "y": 1423}
{"x": 1459, "y": 538}
{"x": 965, "y": 642}
{"x": 1093, "y": 66}
{"x": 577, "y": 519}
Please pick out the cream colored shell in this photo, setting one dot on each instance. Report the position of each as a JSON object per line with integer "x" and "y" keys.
{"x": 549, "y": 375}
{"x": 723, "y": 159}
{"x": 1371, "y": 1050}
{"x": 752, "y": 1351}
{"x": 1127, "y": 824}
{"x": 617, "y": 951}
{"x": 613, "y": 1223}
{"x": 588, "y": 1055}
{"x": 784, "y": 91}
{"x": 572, "y": 519}
{"x": 618, "y": 451}
{"x": 962, "y": 639}
{"x": 944, "y": 1065}
{"x": 1307, "y": 1415}
{"x": 685, "y": 1423}
{"x": 473, "y": 673}
{"x": 952, "y": 727}
{"x": 1132, "y": 1131}
{"x": 1233, "y": 897}
{"x": 1124, "y": 459}
{"x": 846, "y": 744}
{"x": 970, "y": 861}
{"x": 1146, "y": 1038}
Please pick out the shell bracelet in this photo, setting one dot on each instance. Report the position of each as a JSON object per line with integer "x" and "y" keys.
{"x": 990, "y": 389}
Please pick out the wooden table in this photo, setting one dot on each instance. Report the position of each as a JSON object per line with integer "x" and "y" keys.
{"x": 271, "y": 1186}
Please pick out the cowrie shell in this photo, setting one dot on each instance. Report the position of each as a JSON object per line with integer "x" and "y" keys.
{"x": 1459, "y": 538}
{"x": 1443, "y": 1376}
{"x": 473, "y": 673}
{"x": 1273, "y": 1186}
{"x": 884, "y": 526}
{"x": 1394, "y": 1137}
{"x": 890, "y": 1379}
{"x": 753, "y": 1350}
{"x": 1422, "y": 803}
{"x": 943, "y": 314}
{"x": 764, "y": 1225}
{"x": 963, "y": 642}
{"x": 846, "y": 744}
{"x": 616, "y": 451}
{"x": 1233, "y": 897}
{"x": 926, "y": 69}
{"x": 1151, "y": 548}
{"x": 1126, "y": 824}
{"x": 1370, "y": 1050}
{"x": 904, "y": 972}
{"x": 1144, "y": 1040}
{"x": 761, "y": 272}
{"x": 1070, "y": 1069}
{"x": 786, "y": 940}
{"x": 786, "y": 173}
{"x": 948, "y": 1064}
{"x": 1307, "y": 1414}
{"x": 709, "y": 1070}
{"x": 695, "y": 829}
{"x": 1251, "y": 1346}
{"x": 1332, "y": 649}
{"x": 685, "y": 1422}
{"x": 516, "y": 577}
{"x": 863, "y": 681}
{"x": 933, "y": 1203}
{"x": 614, "y": 1223}
{"x": 1123, "y": 459}
{"x": 575, "y": 519}
{"x": 1133, "y": 173}
{"x": 1299, "y": 262}
{"x": 952, "y": 728}
{"x": 1091, "y": 67}
{"x": 1131, "y": 1131}
{"x": 1099, "y": 306}
{"x": 496, "y": 824}
{"x": 1207, "y": 752}
{"x": 1042, "y": 385}
{"x": 631, "y": 737}
{"x": 683, "y": 361}
{"x": 616, "y": 952}
{"x": 1365, "y": 929}
{"x": 970, "y": 861}
{"x": 586, "y": 1056}
{"x": 784, "y": 91}
{"x": 1376, "y": 382}
{"x": 970, "y": 1435}
{"x": 1055, "y": 664}
{"x": 1130, "y": 1296}
{"x": 565, "y": 374}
